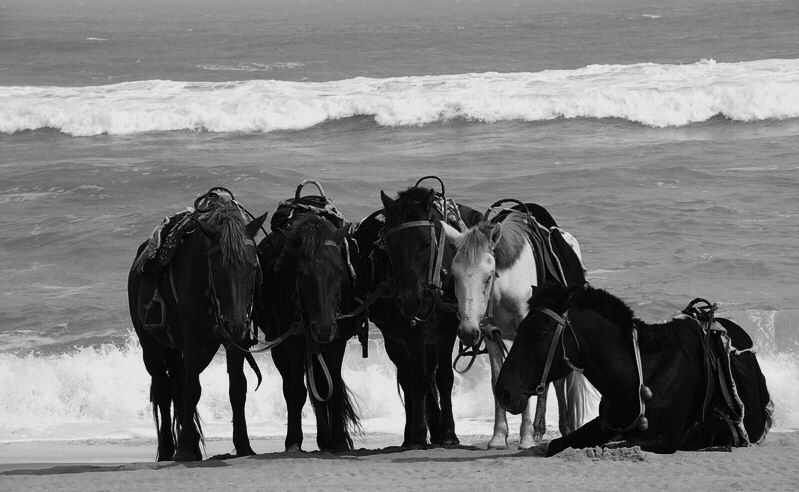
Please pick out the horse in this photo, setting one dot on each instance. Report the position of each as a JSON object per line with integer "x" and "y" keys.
{"x": 308, "y": 282}
{"x": 658, "y": 384}
{"x": 497, "y": 263}
{"x": 208, "y": 291}
{"x": 402, "y": 270}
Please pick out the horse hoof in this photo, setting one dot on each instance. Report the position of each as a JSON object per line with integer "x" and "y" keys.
{"x": 185, "y": 456}
{"x": 293, "y": 448}
{"x": 498, "y": 444}
{"x": 245, "y": 452}
{"x": 451, "y": 441}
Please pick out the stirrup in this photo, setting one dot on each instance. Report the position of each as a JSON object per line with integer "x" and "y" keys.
{"x": 157, "y": 299}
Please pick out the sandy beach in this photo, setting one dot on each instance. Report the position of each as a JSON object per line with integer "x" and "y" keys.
{"x": 129, "y": 466}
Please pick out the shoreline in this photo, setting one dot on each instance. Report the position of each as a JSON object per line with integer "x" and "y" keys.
{"x": 106, "y": 465}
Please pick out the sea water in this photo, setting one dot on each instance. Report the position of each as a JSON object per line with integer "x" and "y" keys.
{"x": 663, "y": 137}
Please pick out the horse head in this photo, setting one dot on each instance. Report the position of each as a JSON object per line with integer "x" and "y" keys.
{"x": 482, "y": 266}
{"x": 321, "y": 272}
{"x": 234, "y": 274}
{"x": 410, "y": 242}
{"x": 474, "y": 270}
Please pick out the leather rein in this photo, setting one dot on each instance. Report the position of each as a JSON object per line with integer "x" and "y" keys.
{"x": 644, "y": 393}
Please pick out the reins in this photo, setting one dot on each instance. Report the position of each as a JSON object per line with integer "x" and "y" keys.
{"x": 644, "y": 393}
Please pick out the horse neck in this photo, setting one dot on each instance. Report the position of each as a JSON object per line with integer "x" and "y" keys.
{"x": 512, "y": 290}
{"x": 189, "y": 271}
{"x": 606, "y": 357}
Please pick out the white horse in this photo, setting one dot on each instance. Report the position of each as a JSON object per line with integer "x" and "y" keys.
{"x": 495, "y": 269}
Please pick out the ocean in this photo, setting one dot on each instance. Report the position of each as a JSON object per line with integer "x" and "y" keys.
{"x": 664, "y": 137}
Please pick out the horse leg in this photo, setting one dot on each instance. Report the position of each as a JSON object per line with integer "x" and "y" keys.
{"x": 155, "y": 362}
{"x": 418, "y": 392}
{"x": 398, "y": 355}
{"x": 527, "y": 436}
{"x": 567, "y": 415}
{"x": 589, "y": 435}
{"x": 431, "y": 397}
{"x": 289, "y": 359}
{"x": 500, "y": 438}
{"x": 237, "y": 391}
{"x": 191, "y": 434}
{"x": 445, "y": 379}
{"x": 335, "y": 417}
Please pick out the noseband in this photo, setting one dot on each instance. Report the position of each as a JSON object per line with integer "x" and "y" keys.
{"x": 644, "y": 393}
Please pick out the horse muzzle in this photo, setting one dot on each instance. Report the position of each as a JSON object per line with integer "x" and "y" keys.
{"x": 322, "y": 332}
{"x": 234, "y": 331}
{"x": 513, "y": 403}
{"x": 469, "y": 334}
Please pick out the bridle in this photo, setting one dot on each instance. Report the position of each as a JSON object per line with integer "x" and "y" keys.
{"x": 640, "y": 421}
{"x": 432, "y": 292}
{"x": 298, "y": 327}
{"x": 211, "y": 293}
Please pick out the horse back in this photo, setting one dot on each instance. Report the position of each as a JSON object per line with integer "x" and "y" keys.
{"x": 738, "y": 337}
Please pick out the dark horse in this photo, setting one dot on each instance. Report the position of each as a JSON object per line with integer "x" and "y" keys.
{"x": 207, "y": 293}
{"x": 399, "y": 248}
{"x": 658, "y": 382}
{"x": 308, "y": 281}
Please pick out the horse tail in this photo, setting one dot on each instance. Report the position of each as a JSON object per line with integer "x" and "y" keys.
{"x": 352, "y": 421}
{"x": 579, "y": 395}
{"x": 198, "y": 424}
{"x": 336, "y": 419}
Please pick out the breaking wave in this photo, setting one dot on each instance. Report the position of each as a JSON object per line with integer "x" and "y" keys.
{"x": 103, "y": 391}
{"x": 647, "y": 93}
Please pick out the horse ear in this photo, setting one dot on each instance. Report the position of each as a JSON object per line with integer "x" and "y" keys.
{"x": 453, "y": 236}
{"x": 209, "y": 230}
{"x": 495, "y": 235}
{"x": 253, "y": 227}
{"x": 388, "y": 203}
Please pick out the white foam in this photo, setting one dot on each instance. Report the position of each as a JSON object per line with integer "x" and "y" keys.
{"x": 93, "y": 393}
{"x": 648, "y": 93}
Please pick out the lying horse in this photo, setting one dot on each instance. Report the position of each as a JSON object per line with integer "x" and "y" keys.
{"x": 497, "y": 263}
{"x": 401, "y": 247}
{"x": 206, "y": 295}
{"x": 307, "y": 282}
{"x": 659, "y": 383}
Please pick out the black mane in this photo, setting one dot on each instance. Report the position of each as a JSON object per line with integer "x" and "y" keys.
{"x": 309, "y": 232}
{"x": 416, "y": 194}
{"x": 606, "y": 304}
{"x": 673, "y": 333}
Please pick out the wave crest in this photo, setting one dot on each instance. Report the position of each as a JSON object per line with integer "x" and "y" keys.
{"x": 647, "y": 93}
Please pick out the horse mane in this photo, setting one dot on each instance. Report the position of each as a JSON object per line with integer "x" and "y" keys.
{"x": 673, "y": 333}
{"x": 310, "y": 231}
{"x": 414, "y": 197}
{"x": 228, "y": 218}
{"x": 477, "y": 242}
{"x": 418, "y": 194}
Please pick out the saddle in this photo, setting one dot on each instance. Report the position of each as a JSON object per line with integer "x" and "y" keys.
{"x": 163, "y": 245}
{"x": 721, "y": 395}
{"x": 557, "y": 260}
{"x": 320, "y": 205}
